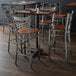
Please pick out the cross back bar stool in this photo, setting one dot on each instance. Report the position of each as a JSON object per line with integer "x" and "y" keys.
{"x": 5, "y": 9}
{"x": 61, "y": 30}
{"x": 24, "y": 35}
{"x": 11, "y": 27}
{"x": 10, "y": 24}
{"x": 46, "y": 21}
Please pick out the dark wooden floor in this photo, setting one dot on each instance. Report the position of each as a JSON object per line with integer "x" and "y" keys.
{"x": 55, "y": 67}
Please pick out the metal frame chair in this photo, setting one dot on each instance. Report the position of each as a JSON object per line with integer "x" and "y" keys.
{"x": 56, "y": 30}
{"x": 24, "y": 34}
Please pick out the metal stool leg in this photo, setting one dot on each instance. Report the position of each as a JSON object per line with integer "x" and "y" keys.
{"x": 69, "y": 44}
{"x": 9, "y": 42}
{"x": 49, "y": 41}
{"x": 66, "y": 49}
{"x": 16, "y": 50}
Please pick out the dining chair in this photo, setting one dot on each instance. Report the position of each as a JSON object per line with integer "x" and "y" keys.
{"x": 57, "y": 31}
{"x": 24, "y": 36}
{"x": 46, "y": 21}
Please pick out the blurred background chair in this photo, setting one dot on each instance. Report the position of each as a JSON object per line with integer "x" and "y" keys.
{"x": 58, "y": 31}
{"x": 10, "y": 25}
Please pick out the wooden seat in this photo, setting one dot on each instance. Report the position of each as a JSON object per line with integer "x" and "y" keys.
{"x": 45, "y": 21}
{"x": 25, "y": 31}
{"x": 59, "y": 27}
{"x": 63, "y": 14}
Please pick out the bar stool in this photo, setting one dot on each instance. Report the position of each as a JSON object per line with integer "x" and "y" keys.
{"x": 61, "y": 30}
{"x": 24, "y": 34}
{"x": 11, "y": 27}
{"x": 46, "y": 21}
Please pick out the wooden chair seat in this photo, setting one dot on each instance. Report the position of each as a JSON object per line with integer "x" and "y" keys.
{"x": 26, "y": 31}
{"x": 59, "y": 27}
{"x": 20, "y": 23}
{"x": 63, "y": 14}
{"x": 45, "y": 21}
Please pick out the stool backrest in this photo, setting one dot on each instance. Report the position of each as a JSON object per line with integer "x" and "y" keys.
{"x": 68, "y": 21}
{"x": 25, "y": 20}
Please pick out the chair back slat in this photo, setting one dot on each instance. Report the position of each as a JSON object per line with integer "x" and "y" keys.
{"x": 25, "y": 20}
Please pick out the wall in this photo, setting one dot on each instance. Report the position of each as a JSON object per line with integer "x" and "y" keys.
{"x": 2, "y": 15}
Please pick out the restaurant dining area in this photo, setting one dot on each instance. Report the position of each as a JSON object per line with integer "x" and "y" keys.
{"x": 37, "y": 38}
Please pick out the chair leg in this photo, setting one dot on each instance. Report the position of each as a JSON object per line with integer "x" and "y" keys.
{"x": 21, "y": 46}
{"x": 16, "y": 51}
{"x": 66, "y": 49}
{"x": 49, "y": 37}
{"x": 30, "y": 60}
{"x": 54, "y": 45}
{"x": 69, "y": 44}
{"x": 39, "y": 44}
{"x": 54, "y": 40}
{"x": 42, "y": 33}
{"x": 30, "y": 55}
{"x": 24, "y": 47}
{"x": 16, "y": 57}
{"x": 63, "y": 21}
{"x": 3, "y": 28}
{"x": 9, "y": 41}
{"x": 50, "y": 42}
